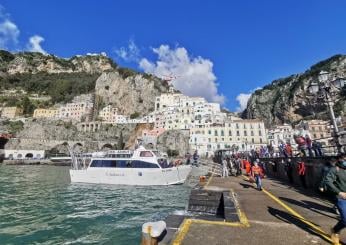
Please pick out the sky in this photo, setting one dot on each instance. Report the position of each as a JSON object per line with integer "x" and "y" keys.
{"x": 221, "y": 50}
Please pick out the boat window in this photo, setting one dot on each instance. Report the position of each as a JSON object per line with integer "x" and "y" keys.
{"x": 103, "y": 164}
{"x": 142, "y": 164}
{"x": 119, "y": 155}
{"x": 146, "y": 154}
{"x": 122, "y": 163}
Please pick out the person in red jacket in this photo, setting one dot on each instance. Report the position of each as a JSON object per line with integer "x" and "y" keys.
{"x": 301, "y": 172}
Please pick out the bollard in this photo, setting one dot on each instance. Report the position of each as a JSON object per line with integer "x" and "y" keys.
{"x": 202, "y": 179}
{"x": 151, "y": 231}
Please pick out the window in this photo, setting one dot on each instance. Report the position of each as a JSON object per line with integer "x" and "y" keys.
{"x": 245, "y": 133}
{"x": 261, "y": 140}
{"x": 103, "y": 164}
{"x": 238, "y": 133}
{"x": 236, "y": 125}
{"x": 146, "y": 154}
{"x": 230, "y": 133}
{"x": 260, "y": 133}
{"x": 253, "y": 140}
{"x": 215, "y": 133}
{"x": 252, "y": 134}
{"x": 222, "y": 133}
{"x": 142, "y": 164}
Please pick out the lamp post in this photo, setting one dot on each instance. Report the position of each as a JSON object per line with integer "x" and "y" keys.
{"x": 324, "y": 89}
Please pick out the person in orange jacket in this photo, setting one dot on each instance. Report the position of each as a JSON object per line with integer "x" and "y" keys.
{"x": 256, "y": 172}
{"x": 247, "y": 167}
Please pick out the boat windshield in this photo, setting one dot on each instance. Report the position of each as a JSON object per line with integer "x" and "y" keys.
{"x": 164, "y": 163}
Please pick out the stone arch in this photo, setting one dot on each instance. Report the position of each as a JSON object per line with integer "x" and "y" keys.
{"x": 29, "y": 155}
{"x": 59, "y": 149}
{"x": 107, "y": 146}
{"x": 19, "y": 156}
{"x": 77, "y": 147}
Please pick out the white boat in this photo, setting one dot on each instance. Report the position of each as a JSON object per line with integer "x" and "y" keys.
{"x": 139, "y": 167}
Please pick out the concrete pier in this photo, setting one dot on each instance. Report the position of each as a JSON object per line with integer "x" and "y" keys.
{"x": 280, "y": 214}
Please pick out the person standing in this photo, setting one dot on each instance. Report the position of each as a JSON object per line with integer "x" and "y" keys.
{"x": 247, "y": 167}
{"x": 302, "y": 172}
{"x": 309, "y": 145}
{"x": 256, "y": 172}
{"x": 336, "y": 183}
{"x": 225, "y": 172}
{"x": 195, "y": 158}
{"x": 289, "y": 170}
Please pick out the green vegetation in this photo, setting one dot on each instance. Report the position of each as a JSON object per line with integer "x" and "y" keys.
{"x": 172, "y": 153}
{"x": 126, "y": 72}
{"x": 134, "y": 115}
{"x": 14, "y": 126}
{"x": 62, "y": 87}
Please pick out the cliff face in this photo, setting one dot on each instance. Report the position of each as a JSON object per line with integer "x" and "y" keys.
{"x": 287, "y": 99}
{"x": 176, "y": 140}
{"x": 131, "y": 93}
{"x": 44, "y": 135}
{"x": 29, "y": 62}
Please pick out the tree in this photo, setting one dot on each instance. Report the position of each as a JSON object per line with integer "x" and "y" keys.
{"x": 121, "y": 144}
{"x": 28, "y": 106}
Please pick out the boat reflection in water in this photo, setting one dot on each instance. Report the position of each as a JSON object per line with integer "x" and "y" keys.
{"x": 122, "y": 167}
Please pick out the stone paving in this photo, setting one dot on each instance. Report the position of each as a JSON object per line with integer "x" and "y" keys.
{"x": 296, "y": 216}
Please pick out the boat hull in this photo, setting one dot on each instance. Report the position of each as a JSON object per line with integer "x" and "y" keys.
{"x": 132, "y": 176}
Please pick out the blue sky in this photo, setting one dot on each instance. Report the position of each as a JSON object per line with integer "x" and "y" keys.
{"x": 238, "y": 45}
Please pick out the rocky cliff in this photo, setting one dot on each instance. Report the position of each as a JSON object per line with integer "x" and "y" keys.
{"x": 31, "y": 62}
{"x": 174, "y": 140}
{"x": 287, "y": 99}
{"x": 133, "y": 93}
{"x": 46, "y": 135}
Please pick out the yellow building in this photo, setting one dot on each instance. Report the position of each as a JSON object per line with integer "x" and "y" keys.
{"x": 46, "y": 113}
{"x": 11, "y": 112}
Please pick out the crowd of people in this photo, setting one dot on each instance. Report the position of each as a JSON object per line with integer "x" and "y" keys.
{"x": 333, "y": 180}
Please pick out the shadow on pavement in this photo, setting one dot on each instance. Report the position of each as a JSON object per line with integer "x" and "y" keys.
{"x": 288, "y": 218}
{"x": 313, "y": 206}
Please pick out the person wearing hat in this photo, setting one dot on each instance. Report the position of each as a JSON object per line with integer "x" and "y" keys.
{"x": 336, "y": 183}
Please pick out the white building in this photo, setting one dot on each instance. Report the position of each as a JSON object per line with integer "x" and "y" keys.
{"x": 281, "y": 134}
{"x": 24, "y": 154}
{"x": 80, "y": 111}
{"x": 177, "y": 111}
{"x": 239, "y": 134}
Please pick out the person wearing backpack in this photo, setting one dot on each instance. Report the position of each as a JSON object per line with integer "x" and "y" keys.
{"x": 336, "y": 183}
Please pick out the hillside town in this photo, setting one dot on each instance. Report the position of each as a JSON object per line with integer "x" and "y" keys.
{"x": 209, "y": 127}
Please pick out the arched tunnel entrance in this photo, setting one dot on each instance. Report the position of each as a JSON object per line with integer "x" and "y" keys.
{"x": 106, "y": 147}
{"x": 3, "y": 142}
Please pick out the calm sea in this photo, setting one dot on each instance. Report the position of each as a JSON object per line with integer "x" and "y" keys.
{"x": 39, "y": 205}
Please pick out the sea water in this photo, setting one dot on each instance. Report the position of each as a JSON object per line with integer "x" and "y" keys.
{"x": 39, "y": 205}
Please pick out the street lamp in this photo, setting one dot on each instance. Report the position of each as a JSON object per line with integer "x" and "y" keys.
{"x": 325, "y": 88}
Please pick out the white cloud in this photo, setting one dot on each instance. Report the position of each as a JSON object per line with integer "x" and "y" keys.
{"x": 34, "y": 44}
{"x": 194, "y": 75}
{"x": 131, "y": 53}
{"x": 243, "y": 98}
{"x": 9, "y": 31}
